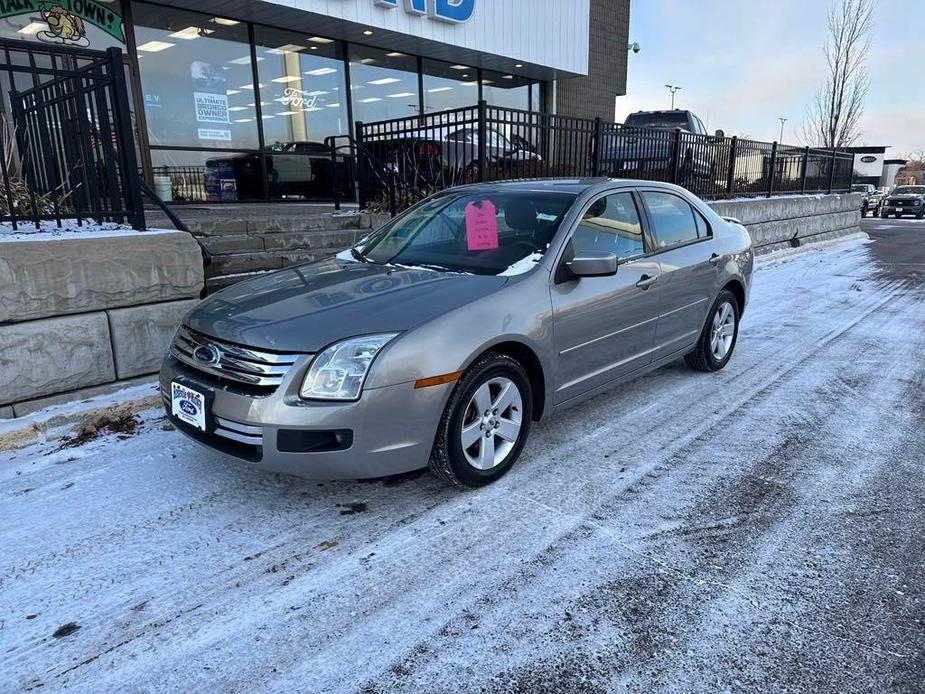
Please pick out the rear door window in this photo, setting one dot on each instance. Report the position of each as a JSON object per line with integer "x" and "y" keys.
{"x": 674, "y": 221}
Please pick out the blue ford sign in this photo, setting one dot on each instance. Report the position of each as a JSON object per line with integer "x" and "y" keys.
{"x": 452, "y": 11}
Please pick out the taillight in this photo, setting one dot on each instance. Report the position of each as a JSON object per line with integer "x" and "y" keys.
{"x": 429, "y": 149}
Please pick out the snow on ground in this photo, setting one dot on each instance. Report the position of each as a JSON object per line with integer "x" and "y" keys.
{"x": 759, "y": 529}
{"x": 68, "y": 228}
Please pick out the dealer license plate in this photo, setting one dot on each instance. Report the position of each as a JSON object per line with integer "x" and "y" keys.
{"x": 188, "y": 405}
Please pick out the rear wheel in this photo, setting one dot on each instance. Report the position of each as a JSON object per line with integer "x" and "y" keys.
{"x": 718, "y": 338}
{"x": 485, "y": 423}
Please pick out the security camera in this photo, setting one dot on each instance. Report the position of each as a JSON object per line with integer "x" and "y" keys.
{"x": 634, "y": 47}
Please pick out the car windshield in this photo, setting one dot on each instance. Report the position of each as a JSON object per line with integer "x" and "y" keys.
{"x": 657, "y": 120}
{"x": 862, "y": 189}
{"x": 482, "y": 233}
{"x": 909, "y": 190}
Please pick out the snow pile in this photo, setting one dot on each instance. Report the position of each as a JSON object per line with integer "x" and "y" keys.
{"x": 69, "y": 228}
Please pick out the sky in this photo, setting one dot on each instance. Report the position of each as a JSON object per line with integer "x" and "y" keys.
{"x": 742, "y": 64}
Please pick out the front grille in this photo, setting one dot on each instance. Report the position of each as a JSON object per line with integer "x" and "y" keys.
{"x": 245, "y": 365}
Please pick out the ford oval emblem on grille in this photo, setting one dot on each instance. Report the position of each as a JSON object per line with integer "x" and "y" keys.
{"x": 868, "y": 159}
{"x": 208, "y": 355}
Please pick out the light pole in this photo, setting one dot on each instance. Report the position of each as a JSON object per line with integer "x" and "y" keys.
{"x": 782, "y": 121}
{"x": 673, "y": 89}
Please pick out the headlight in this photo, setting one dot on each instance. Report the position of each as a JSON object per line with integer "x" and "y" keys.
{"x": 338, "y": 373}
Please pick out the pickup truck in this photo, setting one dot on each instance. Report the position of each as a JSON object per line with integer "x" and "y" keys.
{"x": 644, "y": 146}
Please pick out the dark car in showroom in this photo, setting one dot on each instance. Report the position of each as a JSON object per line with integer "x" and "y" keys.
{"x": 300, "y": 170}
{"x": 904, "y": 200}
{"x": 644, "y": 147}
{"x": 449, "y": 153}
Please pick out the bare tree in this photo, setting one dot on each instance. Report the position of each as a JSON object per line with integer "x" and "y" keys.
{"x": 833, "y": 118}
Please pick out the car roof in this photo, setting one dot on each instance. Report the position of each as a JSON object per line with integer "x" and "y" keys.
{"x": 674, "y": 112}
{"x": 564, "y": 185}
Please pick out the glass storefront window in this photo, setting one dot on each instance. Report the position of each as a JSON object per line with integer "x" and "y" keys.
{"x": 500, "y": 89}
{"x": 196, "y": 79}
{"x": 383, "y": 84}
{"x": 448, "y": 86}
{"x": 303, "y": 81}
{"x": 304, "y": 86}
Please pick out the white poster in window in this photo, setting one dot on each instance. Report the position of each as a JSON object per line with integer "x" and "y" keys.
{"x": 211, "y": 108}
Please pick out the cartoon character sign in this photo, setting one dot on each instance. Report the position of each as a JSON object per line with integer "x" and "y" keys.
{"x": 63, "y": 27}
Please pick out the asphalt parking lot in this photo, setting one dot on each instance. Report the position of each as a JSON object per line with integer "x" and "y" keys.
{"x": 760, "y": 529}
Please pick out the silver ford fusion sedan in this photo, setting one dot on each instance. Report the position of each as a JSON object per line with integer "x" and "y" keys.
{"x": 438, "y": 339}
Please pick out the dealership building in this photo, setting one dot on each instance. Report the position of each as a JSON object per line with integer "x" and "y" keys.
{"x": 238, "y": 78}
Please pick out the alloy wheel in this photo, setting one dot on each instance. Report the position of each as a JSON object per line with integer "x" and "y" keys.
{"x": 492, "y": 423}
{"x": 723, "y": 331}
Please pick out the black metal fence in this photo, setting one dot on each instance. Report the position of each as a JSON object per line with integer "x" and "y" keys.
{"x": 68, "y": 152}
{"x": 401, "y": 160}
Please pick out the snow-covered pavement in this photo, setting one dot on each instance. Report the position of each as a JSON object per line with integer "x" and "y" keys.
{"x": 760, "y": 529}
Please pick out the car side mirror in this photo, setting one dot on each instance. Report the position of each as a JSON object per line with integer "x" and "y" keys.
{"x": 720, "y": 134}
{"x": 593, "y": 264}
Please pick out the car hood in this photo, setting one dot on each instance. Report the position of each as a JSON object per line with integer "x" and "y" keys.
{"x": 907, "y": 196}
{"x": 306, "y": 308}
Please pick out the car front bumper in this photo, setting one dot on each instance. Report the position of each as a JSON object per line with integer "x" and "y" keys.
{"x": 388, "y": 431}
{"x": 887, "y": 208}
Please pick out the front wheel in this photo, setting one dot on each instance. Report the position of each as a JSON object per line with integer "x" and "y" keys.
{"x": 718, "y": 338}
{"x": 485, "y": 423}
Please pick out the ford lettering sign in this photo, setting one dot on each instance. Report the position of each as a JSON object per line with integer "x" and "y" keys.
{"x": 451, "y": 11}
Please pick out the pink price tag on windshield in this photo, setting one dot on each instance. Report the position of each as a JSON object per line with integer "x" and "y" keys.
{"x": 481, "y": 226}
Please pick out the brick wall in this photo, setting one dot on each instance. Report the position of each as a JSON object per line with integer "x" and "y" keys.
{"x": 595, "y": 95}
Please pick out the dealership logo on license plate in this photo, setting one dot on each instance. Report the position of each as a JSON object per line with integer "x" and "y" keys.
{"x": 188, "y": 405}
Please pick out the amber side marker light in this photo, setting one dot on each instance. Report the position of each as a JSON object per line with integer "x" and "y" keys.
{"x": 437, "y": 380}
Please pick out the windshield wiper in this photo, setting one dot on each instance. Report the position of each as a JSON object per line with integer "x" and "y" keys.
{"x": 359, "y": 256}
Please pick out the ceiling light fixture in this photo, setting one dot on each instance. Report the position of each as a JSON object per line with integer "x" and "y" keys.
{"x": 154, "y": 46}
{"x": 191, "y": 33}
{"x": 321, "y": 71}
{"x": 385, "y": 80}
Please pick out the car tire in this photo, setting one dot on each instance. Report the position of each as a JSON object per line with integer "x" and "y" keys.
{"x": 471, "y": 466}
{"x": 719, "y": 335}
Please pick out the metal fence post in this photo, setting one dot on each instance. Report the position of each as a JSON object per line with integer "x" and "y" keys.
{"x": 805, "y": 170}
{"x": 773, "y": 168}
{"x": 832, "y": 170}
{"x": 361, "y": 166}
{"x": 676, "y": 155}
{"x": 730, "y": 173}
{"x": 483, "y": 138}
{"x": 334, "y": 190}
{"x": 597, "y": 145}
{"x": 393, "y": 210}
{"x": 130, "y": 179}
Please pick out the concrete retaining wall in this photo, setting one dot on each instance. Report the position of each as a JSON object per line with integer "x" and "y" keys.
{"x": 81, "y": 315}
{"x": 782, "y": 222}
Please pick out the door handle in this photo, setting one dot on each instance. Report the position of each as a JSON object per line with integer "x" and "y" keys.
{"x": 646, "y": 281}
{"x": 714, "y": 259}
